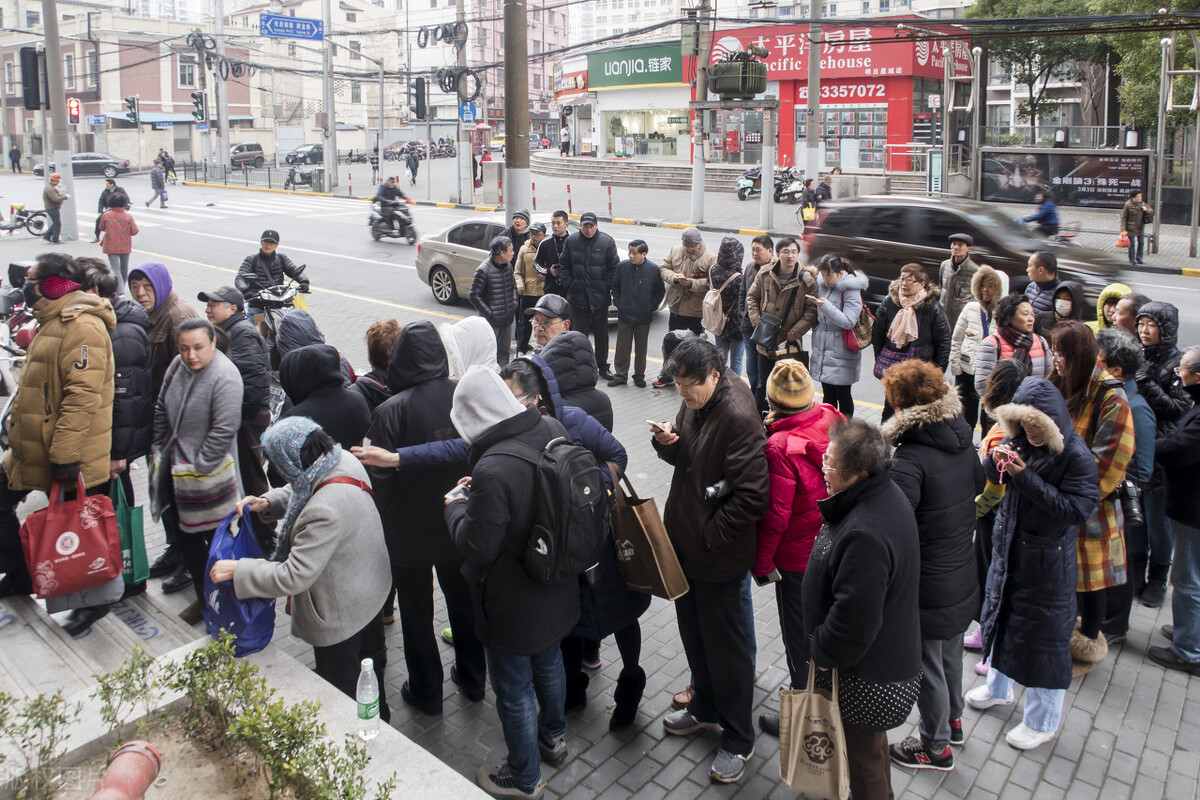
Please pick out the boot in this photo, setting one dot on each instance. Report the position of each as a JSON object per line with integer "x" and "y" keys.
{"x": 1155, "y": 591}
{"x": 1086, "y": 653}
{"x": 628, "y": 694}
{"x": 1137, "y": 573}
{"x": 576, "y": 693}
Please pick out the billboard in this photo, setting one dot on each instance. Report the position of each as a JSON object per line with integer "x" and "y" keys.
{"x": 1091, "y": 179}
{"x": 635, "y": 66}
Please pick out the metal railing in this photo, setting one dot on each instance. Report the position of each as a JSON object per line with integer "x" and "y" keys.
{"x": 260, "y": 177}
{"x": 907, "y": 157}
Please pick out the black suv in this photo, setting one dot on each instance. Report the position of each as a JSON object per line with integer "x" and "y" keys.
{"x": 882, "y": 234}
{"x": 306, "y": 154}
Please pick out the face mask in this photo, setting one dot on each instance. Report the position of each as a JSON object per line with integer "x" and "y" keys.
{"x": 31, "y": 294}
{"x": 1063, "y": 307}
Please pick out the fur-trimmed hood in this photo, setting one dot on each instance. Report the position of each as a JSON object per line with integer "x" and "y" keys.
{"x": 948, "y": 406}
{"x": 1039, "y": 404}
{"x": 933, "y": 294}
{"x": 998, "y": 281}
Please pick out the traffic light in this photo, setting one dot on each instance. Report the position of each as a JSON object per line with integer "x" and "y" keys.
{"x": 73, "y": 110}
{"x": 200, "y": 114}
{"x": 133, "y": 114}
{"x": 419, "y": 98}
{"x": 32, "y": 65}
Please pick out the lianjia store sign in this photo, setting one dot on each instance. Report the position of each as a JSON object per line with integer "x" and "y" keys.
{"x": 635, "y": 66}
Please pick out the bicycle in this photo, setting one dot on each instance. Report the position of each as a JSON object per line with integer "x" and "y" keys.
{"x": 36, "y": 222}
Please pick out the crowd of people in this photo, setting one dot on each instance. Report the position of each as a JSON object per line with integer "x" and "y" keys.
{"x": 884, "y": 545}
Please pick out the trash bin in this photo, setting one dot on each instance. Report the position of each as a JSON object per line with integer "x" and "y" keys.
{"x": 493, "y": 180}
{"x": 318, "y": 179}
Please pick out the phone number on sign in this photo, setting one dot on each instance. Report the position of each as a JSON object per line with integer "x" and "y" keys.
{"x": 846, "y": 91}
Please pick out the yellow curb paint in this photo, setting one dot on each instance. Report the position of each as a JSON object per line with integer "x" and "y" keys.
{"x": 677, "y": 225}
{"x": 623, "y": 221}
{"x": 1191, "y": 272}
{"x": 445, "y": 205}
{"x": 751, "y": 232}
{"x": 486, "y": 208}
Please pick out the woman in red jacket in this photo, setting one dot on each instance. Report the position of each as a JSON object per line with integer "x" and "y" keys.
{"x": 798, "y": 435}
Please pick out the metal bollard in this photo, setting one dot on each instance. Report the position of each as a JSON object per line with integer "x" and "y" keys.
{"x": 569, "y": 198}
{"x": 533, "y": 194}
{"x": 610, "y": 202}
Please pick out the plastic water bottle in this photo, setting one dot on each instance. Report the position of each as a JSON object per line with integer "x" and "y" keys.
{"x": 367, "y": 695}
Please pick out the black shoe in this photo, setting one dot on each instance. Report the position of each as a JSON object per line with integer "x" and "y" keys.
{"x": 606, "y": 373}
{"x": 617, "y": 382}
{"x": 182, "y": 579}
{"x": 956, "y": 733}
{"x": 769, "y": 724}
{"x": 424, "y": 708}
{"x": 630, "y": 685}
{"x": 639, "y": 383}
{"x": 83, "y": 618}
{"x": 1168, "y": 631}
{"x": 1167, "y": 657}
{"x": 165, "y": 564}
{"x": 576, "y": 694}
{"x": 1114, "y": 639}
{"x": 474, "y": 695}
{"x": 1154, "y": 594}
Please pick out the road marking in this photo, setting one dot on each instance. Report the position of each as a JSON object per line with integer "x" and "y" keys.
{"x": 1165, "y": 286}
{"x": 255, "y": 243}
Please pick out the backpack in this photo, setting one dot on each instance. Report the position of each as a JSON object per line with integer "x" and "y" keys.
{"x": 714, "y": 316}
{"x": 570, "y": 517}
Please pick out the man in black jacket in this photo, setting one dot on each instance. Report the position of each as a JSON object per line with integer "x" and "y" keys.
{"x": 494, "y": 295}
{"x": 520, "y": 620}
{"x": 518, "y": 231}
{"x": 266, "y": 268}
{"x": 110, "y": 188}
{"x": 549, "y": 256}
{"x": 588, "y": 263}
{"x": 637, "y": 292}
{"x": 413, "y": 523}
{"x": 762, "y": 253}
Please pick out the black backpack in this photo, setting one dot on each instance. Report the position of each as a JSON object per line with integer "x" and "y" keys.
{"x": 570, "y": 518}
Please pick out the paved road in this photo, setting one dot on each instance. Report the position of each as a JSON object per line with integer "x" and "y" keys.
{"x": 1130, "y": 729}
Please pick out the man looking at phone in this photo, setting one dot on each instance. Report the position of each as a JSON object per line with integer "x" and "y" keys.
{"x": 717, "y": 437}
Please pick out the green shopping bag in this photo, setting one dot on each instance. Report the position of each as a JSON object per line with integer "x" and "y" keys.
{"x": 133, "y": 543}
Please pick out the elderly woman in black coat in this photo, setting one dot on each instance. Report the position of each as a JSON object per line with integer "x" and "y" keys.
{"x": 1029, "y": 609}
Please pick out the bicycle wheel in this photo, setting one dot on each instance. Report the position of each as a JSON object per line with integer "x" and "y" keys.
{"x": 38, "y": 223}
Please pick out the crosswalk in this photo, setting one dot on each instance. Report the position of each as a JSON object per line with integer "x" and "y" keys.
{"x": 183, "y": 212}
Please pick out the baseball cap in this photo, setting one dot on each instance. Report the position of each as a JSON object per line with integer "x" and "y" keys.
{"x": 551, "y": 305}
{"x": 226, "y": 294}
{"x": 269, "y": 236}
{"x": 588, "y": 218}
{"x": 540, "y": 227}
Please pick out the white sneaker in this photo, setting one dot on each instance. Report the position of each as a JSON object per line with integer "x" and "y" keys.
{"x": 1023, "y": 737}
{"x": 981, "y": 698}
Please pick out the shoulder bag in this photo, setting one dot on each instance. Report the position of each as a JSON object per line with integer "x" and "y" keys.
{"x": 859, "y": 336}
{"x": 766, "y": 332}
{"x": 646, "y": 558}
{"x": 812, "y": 740}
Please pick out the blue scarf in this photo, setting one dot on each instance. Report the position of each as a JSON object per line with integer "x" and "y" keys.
{"x": 282, "y": 443}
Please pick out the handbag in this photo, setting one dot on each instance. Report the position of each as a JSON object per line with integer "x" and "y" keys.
{"x": 71, "y": 545}
{"x": 812, "y": 741}
{"x": 136, "y": 567}
{"x": 888, "y": 357}
{"x": 859, "y": 336}
{"x": 809, "y": 212}
{"x": 1122, "y": 242}
{"x": 645, "y": 556}
{"x": 203, "y": 499}
{"x": 878, "y": 706}
{"x": 250, "y": 620}
{"x": 766, "y": 332}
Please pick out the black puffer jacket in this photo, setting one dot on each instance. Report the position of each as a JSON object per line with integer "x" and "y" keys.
{"x": 571, "y": 357}
{"x": 933, "y": 331}
{"x": 936, "y": 467}
{"x": 587, "y": 269}
{"x": 298, "y": 329}
{"x": 513, "y": 612}
{"x": 1156, "y": 380}
{"x": 312, "y": 379}
{"x": 248, "y": 352}
{"x": 133, "y": 387}
{"x": 374, "y": 388}
{"x": 1179, "y": 454}
{"x": 260, "y": 272}
{"x": 729, "y": 263}
{"x": 494, "y": 292}
{"x": 418, "y": 411}
{"x": 1045, "y": 321}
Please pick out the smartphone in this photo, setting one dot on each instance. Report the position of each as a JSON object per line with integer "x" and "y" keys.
{"x": 461, "y": 490}
{"x": 658, "y": 426}
{"x": 771, "y": 577}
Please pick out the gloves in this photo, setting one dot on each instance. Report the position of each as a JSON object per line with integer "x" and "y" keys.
{"x": 304, "y": 288}
{"x": 1143, "y": 375}
{"x": 67, "y": 474}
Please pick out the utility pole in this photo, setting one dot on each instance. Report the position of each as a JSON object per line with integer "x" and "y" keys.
{"x": 699, "y": 134}
{"x": 57, "y": 96}
{"x": 330, "y": 133}
{"x": 466, "y": 176}
{"x": 517, "y": 193}
{"x": 812, "y": 127}
{"x": 221, "y": 88}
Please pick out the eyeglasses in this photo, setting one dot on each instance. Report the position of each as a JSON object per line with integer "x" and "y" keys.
{"x": 910, "y": 279}
{"x": 826, "y": 466}
{"x": 543, "y": 325}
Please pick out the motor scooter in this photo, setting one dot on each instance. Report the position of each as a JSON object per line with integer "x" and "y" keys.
{"x": 401, "y": 226}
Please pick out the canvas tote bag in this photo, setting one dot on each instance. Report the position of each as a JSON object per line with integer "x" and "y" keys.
{"x": 812, "y": 741}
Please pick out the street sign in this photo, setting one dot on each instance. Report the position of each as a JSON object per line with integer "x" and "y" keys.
{"x": 162, "y": 126}
{"x": 935, "y": 101}
{"x": 468, "y": 112}
{"x": 281, "y": 27}
{"x": 96, "y": 119}
{"x": 202, "y": 126}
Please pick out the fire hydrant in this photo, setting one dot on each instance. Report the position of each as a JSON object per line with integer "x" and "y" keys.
{"x": 130, "y": 772}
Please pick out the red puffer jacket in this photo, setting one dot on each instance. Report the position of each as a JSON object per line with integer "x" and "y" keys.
{"x": 795, "y": 447}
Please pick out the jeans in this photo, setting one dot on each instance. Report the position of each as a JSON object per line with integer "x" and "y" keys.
{"x": 341, "y": 663}
{"x": 1158, "y": 527}
{"x": 941, "y": 698}
{"x": 516, "y": 682}
{"x": 1043, "y": 707}
{"x": 731, "y": 352}
{"x": 1185, "y": 600}
{"x": 120, "y": 267}
{"x": 1136, "y": 243}
{"x": 750, "y": 357}
{"x": 748, "y": 618}
{"x": 593, "y": 323}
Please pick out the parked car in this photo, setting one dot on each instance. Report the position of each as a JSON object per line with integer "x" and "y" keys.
{"x": 306, "y": 154}
{"x": 247, "y": 154}
{"x": 91, "y": 164}
{"x": 882, "y": 234}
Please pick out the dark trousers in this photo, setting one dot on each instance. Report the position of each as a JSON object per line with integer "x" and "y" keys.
{"x": 524, "y": 323}
{"x": 870, "y": 764}
{"x": 341, "y": 663}
{"x": 55, "y": 231}
{"x": 1092, "y": 611}
{"x": 193, "y": 547}
{"x": 983, "y": 557}
{"x": 679, "y": 322}
{"x": 714, "y": 638}
{"x": 254, "y": 477}
{"x": 791, "y": 625}
{"x": 970, "y": 398}
{"x": 594, "y": 323}
{"x": 631, "y": 337}
{"x": 1119, "y": 600}
{"x": 422, "y": 657}
{"x": 840, "y": 398}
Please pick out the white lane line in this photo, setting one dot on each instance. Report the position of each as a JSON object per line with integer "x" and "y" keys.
{"x": 339, "y": 256}
{"x": 1165, "y": 286}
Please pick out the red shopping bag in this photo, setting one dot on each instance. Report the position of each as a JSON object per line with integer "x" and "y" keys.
{"x": 72, "y": 545}
{"x": 1122, "y": 242}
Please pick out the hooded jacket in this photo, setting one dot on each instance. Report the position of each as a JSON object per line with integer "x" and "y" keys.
{"x": 248, "y": 352}
{"x": 1046, "y": 321}
{"x": 1110, "y": 293}
{"x": 638, "y": 291}
{"x": 260, "y": 271}
{"x": 936, "y": 467}
{"x": 975, "y": 322}
{"x": 169, "y": 310}
{"x": 716, "y": 539}
{"x": 1156, "y": 380}
{"x": 298, "y": 329}
{"x": 1029, "y": 605}
{"x": 469, "y": 342}
{"x": 767, "y": 295}
{"x": 418, "y": 412}
{"x": 313, "y": 381}
{"x": 728, "y": 264}
{"x": 831, "y": 361}
{"x": 494, "y": 292}
{"x": 795, "y": 446}
{"x": 373, "y": 387}
{"x": 686, "y": 300}
{"x": 133, "y": 386}
{"x": 570, "y": 356}
{"x": 62, "y": 413}
{"x": 587, "y": 270}
{"x": 933, "y": 331}
{"x": 1179, "y": 454}
{"x": 957, "y": 283}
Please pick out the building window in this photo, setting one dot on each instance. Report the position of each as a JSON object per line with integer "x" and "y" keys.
{"x": 93, "y": 69}
{"x": 537, "y": 81}
{"x": 32, "y": 19}
{"x": 69, "y": 71}
{"x": 351, "y": 16}
{"x": 355, "y": 92}
{"x": 549, "y": 17}
{"x": 433, "y": 3}
{"x": 787, "y": 11}
{"x": 355, "y": 51}
{"x": 867, "y": 6}
{"x": 10, "y": 78}
{"x": 187, "y": 71}
{"x": 291, "y": 51}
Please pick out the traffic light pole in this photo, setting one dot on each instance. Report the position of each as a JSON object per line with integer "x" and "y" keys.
{"x": 58, "y": 113}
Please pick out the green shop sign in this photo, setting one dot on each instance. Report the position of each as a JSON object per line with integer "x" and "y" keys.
{"x": 635, "y": 66}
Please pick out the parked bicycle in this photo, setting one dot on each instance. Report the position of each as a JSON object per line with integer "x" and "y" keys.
{"x": 36, "y": 222}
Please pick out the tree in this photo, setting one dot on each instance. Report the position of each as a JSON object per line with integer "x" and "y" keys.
{"x": 1036, "y": 59}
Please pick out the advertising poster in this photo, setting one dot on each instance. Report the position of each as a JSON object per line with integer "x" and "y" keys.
{"x": 1094, "y": 180}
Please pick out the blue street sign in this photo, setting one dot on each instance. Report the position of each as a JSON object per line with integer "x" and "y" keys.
{"x": 162, "y": 126}
{"x": 282, "y": 27}
{"x": 201, "y": 126}
{"x": 468, "y": 112}
{"x": 96, "y": 119}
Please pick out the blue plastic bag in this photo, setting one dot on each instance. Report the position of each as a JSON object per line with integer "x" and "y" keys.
{"x": 251, "y": 621}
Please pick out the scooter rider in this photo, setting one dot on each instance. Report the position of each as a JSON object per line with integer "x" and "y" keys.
{"x": 389, "y": 197}
{"x": 265, "y": 269}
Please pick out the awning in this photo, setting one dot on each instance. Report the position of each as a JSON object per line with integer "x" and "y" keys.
{"x": 159, "y": 116}
{"x": 574, "y": 98}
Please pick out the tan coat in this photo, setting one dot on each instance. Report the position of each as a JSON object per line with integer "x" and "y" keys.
{"x": 687, "y": 300}
{"x": 52, "y": 197}
{"x": 62, "y": 413}
{"x": 766, "y": 294}
{"x": 530, "y": 282}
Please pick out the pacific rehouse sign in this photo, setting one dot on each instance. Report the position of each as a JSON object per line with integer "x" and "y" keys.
{"x": 635, "y": 66}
